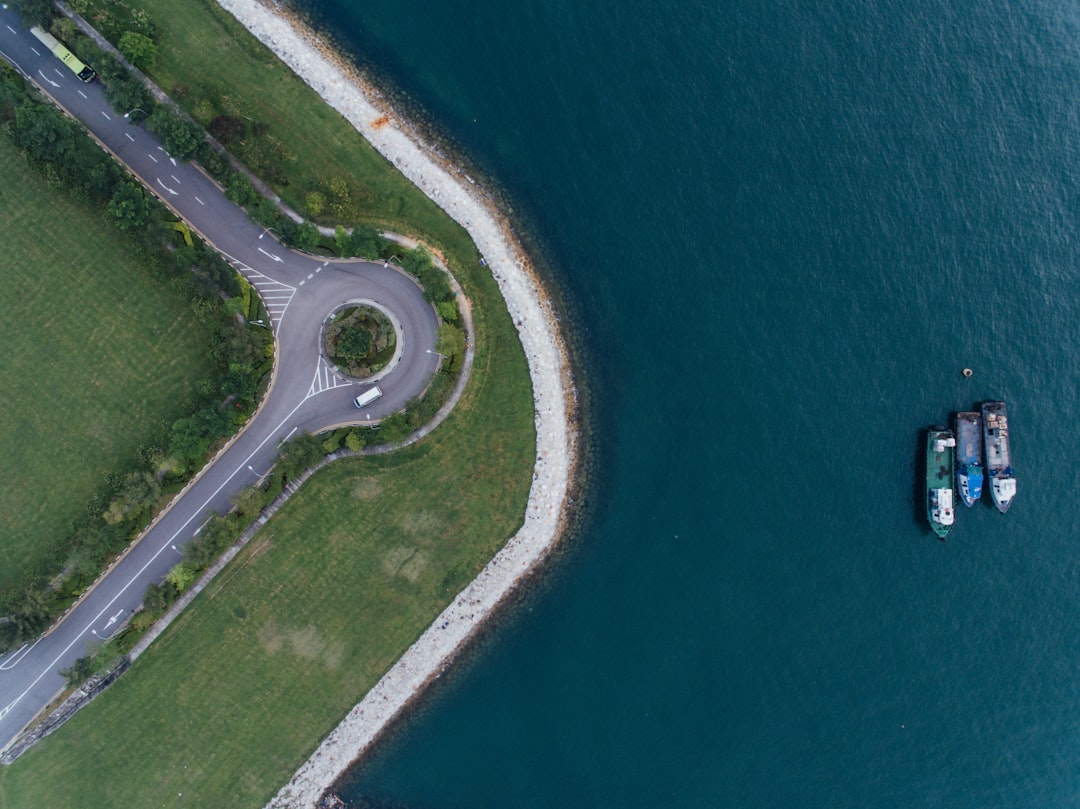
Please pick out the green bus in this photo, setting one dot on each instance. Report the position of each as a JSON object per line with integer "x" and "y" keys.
{"x": 81, "y": 70}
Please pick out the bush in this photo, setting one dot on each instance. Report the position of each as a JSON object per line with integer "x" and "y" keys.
{"x": 139, "y": 49}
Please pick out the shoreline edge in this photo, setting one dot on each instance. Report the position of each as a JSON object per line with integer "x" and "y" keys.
{"x": 554, "y": 396}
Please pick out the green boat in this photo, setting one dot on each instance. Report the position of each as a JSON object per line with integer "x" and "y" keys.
{"x": 940, "y": 453}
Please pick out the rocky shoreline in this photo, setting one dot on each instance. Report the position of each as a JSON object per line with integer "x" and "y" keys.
{"x": 556, "y": 437}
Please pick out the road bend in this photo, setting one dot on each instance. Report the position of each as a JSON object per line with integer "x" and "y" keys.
{"x": 299, "y": 291}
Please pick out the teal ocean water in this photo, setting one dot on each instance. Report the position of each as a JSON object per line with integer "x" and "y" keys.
{"x": 784, "y": 228}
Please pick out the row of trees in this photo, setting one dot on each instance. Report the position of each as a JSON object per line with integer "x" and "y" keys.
{"x": 69, "y": 160}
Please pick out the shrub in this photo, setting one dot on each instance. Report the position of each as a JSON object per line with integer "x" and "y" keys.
{"x": 139, "y": 49}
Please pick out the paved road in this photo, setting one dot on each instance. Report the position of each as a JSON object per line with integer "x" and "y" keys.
{"x": 299, "y": 292}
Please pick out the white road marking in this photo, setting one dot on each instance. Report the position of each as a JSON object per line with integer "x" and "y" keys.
{"x": 4, "y": 712}
{"x": 56, "y": 70}
{"x": 302, "y": 283}
{"x": 270, "y": 255}
{"x": 172, "y": 160}
{"x": 80, "y": 92}
{"x": 126, "y": 135}
{"x": 151, "y": 157}
{"x": 50, "y": 81}
{"x": 49, "y": 669}
{"x": 310, "y": 275}
{"x": 174, "y": 177}
{"x": 17, "y": 657}
{"x": 165, "y": 186}
{"x": 107, "y": 116}
{"x": 12, "y": 30}
{"x": 35, "y": 50}
{"x": 199, "y": 201}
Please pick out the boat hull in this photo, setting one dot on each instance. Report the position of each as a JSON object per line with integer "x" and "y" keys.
{"x": 969, "y": 453}
{"x": 998, "y": 455}
{"x": 940, "y": 458}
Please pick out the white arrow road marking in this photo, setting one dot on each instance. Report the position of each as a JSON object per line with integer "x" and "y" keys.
{"x": 172, "y": 160}
{"x": 112, "y": 620}
{"x": 50, "y": 81}
{"x": 19, "y": 654}
{"x": 270, "y": 255}
{"x": 4, "y": 712}
{"x": 165, "y": 186}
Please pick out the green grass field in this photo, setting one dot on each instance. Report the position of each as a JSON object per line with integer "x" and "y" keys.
{"x": 239, "y": 691}
{"x": 97, "y": 355}
{"x": 265, "y": 662}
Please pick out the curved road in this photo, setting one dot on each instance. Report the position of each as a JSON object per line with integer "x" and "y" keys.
{"x": 299, "y": 291}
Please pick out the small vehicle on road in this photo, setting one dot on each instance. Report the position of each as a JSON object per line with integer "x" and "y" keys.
{"x": 367, "y": 397}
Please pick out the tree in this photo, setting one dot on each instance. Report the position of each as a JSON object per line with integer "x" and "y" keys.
{"x": 127, "y": 94}
{"x": 181, "y": 136}
{"x": 227, "y": 128}
{"x": 139, "y": 49}
{"x": 36, "y": 12}
{"x": 354, "y": 344}
{"x": 343, "y": 241}
{"x": 306, "y": 236}
{"x": 156, "y": 600}
{"x": 129, "y": 207}
{"x": 180, "y": 577}
{"x": 249, "y": 501}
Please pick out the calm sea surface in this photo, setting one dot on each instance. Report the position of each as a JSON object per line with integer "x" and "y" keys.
{"x": 785, "y": 227}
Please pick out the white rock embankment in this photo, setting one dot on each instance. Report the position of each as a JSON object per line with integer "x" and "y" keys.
{"x": 548, "y": 367}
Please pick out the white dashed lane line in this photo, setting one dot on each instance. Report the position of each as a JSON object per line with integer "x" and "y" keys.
{"x": 199, "y": 201}
{"x": 107, "y": 117}
{"x": 175, "y": 178}
{"x": 151, "y": 157}
{"x": 126, "y": 135}
{"x": 84, "y": 95}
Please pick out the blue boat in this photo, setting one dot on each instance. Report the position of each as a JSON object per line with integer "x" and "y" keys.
{"x": 969, "y": 450}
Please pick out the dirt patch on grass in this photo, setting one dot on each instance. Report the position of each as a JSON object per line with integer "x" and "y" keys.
{"x": 406, "y": 562}
{"x": 367, "y": 489}
{"x": 420, "y": 525}
{"x": 305, "y": 642}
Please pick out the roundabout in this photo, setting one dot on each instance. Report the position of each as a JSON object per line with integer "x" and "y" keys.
{"x": 307, "y": 393}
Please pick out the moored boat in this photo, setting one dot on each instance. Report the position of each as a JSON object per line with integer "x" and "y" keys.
{"x": 940, "y": 452}
{"x": 969, "y": 452}
{"x": 998, "y": 454}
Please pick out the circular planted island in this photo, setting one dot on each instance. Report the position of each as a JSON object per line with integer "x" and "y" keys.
{"x": 360, "y": 340}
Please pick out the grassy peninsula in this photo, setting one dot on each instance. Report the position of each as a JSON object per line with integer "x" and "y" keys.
{"x": 237, "y": 693}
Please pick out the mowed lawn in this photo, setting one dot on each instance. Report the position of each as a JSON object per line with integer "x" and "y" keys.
{"x": 222, "y": 709}
{"x": 96, "y": 356}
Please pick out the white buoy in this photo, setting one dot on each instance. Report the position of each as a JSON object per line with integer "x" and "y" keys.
{"x": 967, "y": 372}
